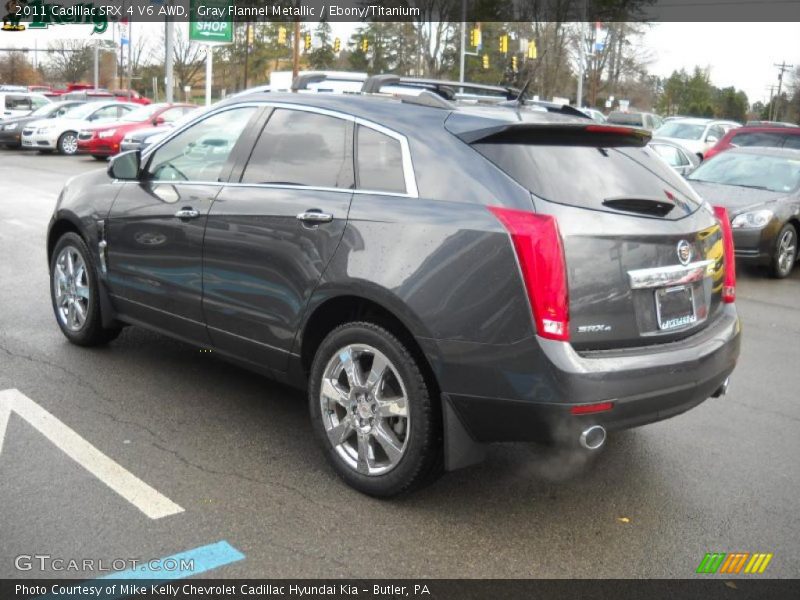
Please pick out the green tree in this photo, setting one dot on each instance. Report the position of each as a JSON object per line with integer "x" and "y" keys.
{"x": 322, "y": 57}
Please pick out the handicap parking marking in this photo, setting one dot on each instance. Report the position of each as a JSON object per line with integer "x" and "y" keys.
{"x": 147, "y": 499}
{"x": 178, "y": 566}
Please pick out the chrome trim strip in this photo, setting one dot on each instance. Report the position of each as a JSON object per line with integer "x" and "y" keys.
{"x": 408, "y": 167}
{"x": 671, "y": 275}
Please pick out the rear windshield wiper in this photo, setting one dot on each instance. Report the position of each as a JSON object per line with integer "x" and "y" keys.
{"x": 655, "y": 207}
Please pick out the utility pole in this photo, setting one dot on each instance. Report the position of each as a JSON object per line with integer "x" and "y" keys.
{"x": 168, "y": 76}
{"x": 581, "y": 57}
{"x": 130, "y": 63}
{"x": 783, "y": 67}
{"x": 246, "y": 50}
{"x": 96, "y": 64}
{"x": 296, "y": 51}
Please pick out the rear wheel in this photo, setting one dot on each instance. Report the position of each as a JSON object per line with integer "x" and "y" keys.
{"x": 785, "y": 253}
{"x": 68, "y": 143}
{"x": 74, "y": 293}
{"x": 372, "y": 411}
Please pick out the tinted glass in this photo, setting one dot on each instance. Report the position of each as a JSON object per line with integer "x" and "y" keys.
{"x": 18, "y": 102}
{"x": 761, "y": 171}
{"x": 585, "y": 176}
{"x": 757, "y": 139}
{"x": 380, "y": 162}
{"x": 792, "y": 141}
{"x": 104, "y": 114}
{"x": 200, "y": 152}
{"x": 302, "y": 148}
{"x": 631, "y": 119}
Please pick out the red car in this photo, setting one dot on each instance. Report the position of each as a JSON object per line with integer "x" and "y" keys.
{"x": 772, "y": 137}
{"x": 103, "y": 140}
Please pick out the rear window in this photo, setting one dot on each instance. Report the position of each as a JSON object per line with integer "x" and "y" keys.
{"x": 585, "y": 176}
{"x": 632, "y": 119}
{"x": 756, "y": 138}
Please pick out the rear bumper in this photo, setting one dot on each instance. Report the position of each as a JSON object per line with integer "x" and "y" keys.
{"x": 645, "y": 384}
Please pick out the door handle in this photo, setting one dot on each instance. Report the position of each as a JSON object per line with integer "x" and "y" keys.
{"x": 315, "y": 217}
{"x": 187, "y": 212}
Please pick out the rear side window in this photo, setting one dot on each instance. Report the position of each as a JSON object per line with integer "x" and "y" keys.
{"x": 792, "y": 141}
{"x": 671, "y": 154}
{"x": 380, "y": 162}
{"x": 755, "y": 138}
{"x": 18, "y": 102}
{"x": 302, "y": 148}
{"x": 585, "y": 176}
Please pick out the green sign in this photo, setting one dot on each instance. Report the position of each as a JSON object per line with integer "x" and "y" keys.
{"x": 211, "y": 21}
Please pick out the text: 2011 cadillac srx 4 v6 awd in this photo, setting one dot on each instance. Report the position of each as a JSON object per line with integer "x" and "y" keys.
{"x": 437, "y": 276}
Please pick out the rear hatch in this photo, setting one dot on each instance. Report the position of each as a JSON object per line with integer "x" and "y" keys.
{"x": 644, "y": 255}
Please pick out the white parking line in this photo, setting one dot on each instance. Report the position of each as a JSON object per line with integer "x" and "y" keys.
{"x": 152, "y": 503}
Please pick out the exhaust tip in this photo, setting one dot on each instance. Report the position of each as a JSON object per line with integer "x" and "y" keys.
{"x": 593, "y": 437}
{"x": 723, "y": 389}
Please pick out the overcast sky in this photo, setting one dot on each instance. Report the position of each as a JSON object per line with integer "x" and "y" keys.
{"x": 738, "y": 54}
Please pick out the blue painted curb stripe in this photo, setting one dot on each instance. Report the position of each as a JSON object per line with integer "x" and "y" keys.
{"x": 205, "y": 558}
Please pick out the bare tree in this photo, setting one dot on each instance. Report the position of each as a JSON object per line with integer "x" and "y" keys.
{"x": 17, "y": 69}
{"x": 70, "y": 60}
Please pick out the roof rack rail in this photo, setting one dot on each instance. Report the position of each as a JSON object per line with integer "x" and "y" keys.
{"x": 448, "y": 90}
{"x": 302, "y": 81}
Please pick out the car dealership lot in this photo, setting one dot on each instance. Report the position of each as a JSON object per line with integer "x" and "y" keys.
{"x": 236, "y": 452}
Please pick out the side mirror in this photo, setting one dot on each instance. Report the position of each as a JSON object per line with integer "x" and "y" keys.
{"x": 158, "y": 120}
{"x": 125, "y": 166}
{"x": 712, "y": 139}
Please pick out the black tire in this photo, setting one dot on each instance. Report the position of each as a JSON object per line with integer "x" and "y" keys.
{"x": 421, "y": 461}
{"x": 64, "y": 146}
{"x": 786, "y": 241}
{"x": 91, "y": 332}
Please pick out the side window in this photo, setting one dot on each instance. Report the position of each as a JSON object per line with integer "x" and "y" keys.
{"x": 104, "y": 114}
{"x": 18, "y": 103}
{"x": 716, "y": 131}
{"x": 172, "y": 114}
{"x": 38, "y": 102}
{"x": 380, "y": 162}
{"x": 200, "y": 152}
{"x": 670, "y": 154}
{"x": 757, "y": 139}
{"x": 792, "y": 141}
{"x": 123, "y": 110}
{"x": 302, "y": 148}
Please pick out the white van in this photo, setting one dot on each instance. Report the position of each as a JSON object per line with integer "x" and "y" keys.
{"x": 19, "y": 104}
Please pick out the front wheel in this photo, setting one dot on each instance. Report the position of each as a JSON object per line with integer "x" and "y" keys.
{"x": 785, "y": 252}
{"x": 68, "y": 143}
{"x": 372, "y": 411}
{"x": 74, "y": 293}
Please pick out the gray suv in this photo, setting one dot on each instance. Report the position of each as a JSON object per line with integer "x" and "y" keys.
{"x": 436, "y": 276}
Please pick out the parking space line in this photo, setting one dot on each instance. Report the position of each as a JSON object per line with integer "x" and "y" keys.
{"x": 148, "y": 500}
{"x": 169, "y": 568}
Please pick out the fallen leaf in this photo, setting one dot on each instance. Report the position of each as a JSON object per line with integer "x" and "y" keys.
{"x": 623, "y": 519}
{"x": 731, "y": 585}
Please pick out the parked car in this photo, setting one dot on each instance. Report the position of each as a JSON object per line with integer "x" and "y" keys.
{"x": 11, "y": 129}
{"x": 679, "y": 158}
{"x": 438, "y": 277}
{"x": 61, "y": 134}
{"x": 697, "y": 135}
{"x": 761, "y": 189}
{"x": 139, "y": 139}
{"x": 104, "y": 139}
{"x": 19, "y": 104}
{"x": 751, "y": 135}
{"x": 769, "y": 124}
{"x": 644, "y": 120}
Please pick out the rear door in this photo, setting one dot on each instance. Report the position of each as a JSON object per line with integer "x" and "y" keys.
{"x": 644, "y": 257}
{"x": 154, "y": 232}
{"x": 271, "y": 234}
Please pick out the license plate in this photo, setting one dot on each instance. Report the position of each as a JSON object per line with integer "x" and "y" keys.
{"x": 27, "y": 143}
{"x": 675, "y": 307}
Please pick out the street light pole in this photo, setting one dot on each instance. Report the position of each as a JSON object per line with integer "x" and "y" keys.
{"x": 96, "y": 64}
{"x": 168, "y": 76}
{"x": 296, "y": 51}
{"x": 463, "y": 40}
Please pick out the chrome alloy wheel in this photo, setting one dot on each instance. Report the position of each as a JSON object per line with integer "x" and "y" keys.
{"x": 365, "y": 411}
{"x": 70, "y": 143}
{"x": 787, "y": 251}
{"x": 71, "y": 288}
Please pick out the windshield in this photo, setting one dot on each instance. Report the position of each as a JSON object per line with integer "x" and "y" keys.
{"x": 82, "y": 111}
{"x": 142, "y": 114}
{"x": 773, "y": 173}
{"x": 46, "y": 110}
{"x": 682, "y": 131}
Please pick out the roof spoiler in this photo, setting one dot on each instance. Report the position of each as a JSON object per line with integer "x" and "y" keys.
{"x": 559, "y": 134}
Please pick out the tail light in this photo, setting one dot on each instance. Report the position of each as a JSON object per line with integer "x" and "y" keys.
{"x": 540, "y": 254}
{"x": 729, "y": 261}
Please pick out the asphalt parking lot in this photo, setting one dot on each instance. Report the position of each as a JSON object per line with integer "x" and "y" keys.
{"x": 235, "y": 452}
